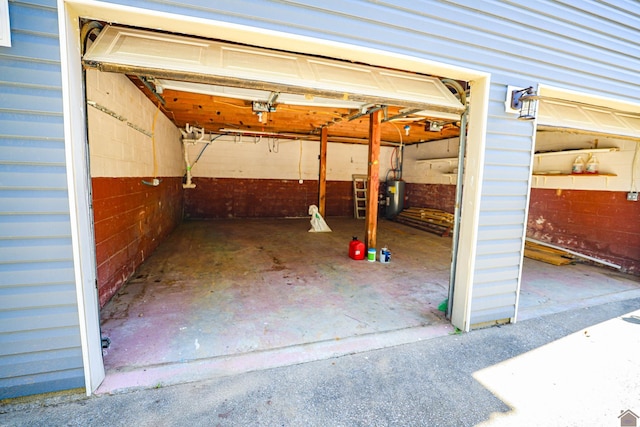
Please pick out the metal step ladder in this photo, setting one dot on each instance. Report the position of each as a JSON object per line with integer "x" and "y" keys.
{"x": 359, "y": 196}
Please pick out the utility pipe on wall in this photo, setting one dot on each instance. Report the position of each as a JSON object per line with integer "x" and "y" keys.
{"x": 185, "y": 141}
{"x": 188, "y": 183}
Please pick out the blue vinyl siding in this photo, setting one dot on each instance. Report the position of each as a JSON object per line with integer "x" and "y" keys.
{"x": 40, "y": 347}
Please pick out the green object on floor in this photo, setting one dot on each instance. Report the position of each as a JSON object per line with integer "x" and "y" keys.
{"x": 443, "y": 305}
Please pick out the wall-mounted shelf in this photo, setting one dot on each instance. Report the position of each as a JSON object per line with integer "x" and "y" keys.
{"x": 577, "y": 152}
{"x": 578, "y": 175}
{"x": 453, "y": 177}
{"x": 442, "y": 160}
{"x": 541, "y": 177}
{"x": 447, "y": 162}
{"x": 562, "y": 165}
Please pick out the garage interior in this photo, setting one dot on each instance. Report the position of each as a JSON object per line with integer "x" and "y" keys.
{"x": 204, "y": 254}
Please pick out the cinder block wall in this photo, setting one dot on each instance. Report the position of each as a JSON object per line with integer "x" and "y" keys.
{"x": 434, "y": 196}
{"x": 130, "y": 217}
{"x": 263, "y": 198}
{"x": 602, "y": 224}
{"x": 249, "y": 178}
{"x": 431, "y": 185}
{"x": 589, "y": 214}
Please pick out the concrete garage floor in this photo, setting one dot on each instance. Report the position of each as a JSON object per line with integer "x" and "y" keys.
{"x": 228, "y": 296}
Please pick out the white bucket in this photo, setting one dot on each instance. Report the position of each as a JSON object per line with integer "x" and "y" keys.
{"x": 385, "y": 256}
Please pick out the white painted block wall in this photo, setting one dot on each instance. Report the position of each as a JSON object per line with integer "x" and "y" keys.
{"x": 117, "y": 149}
{"x": 266, "y": 158}
{"x": 618, "y": 162}
{"x": 419, "y": 171}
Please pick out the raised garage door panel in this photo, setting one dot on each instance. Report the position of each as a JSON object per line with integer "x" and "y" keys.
{"x": 205, "y": 61}
{"x": 565, "y": 110}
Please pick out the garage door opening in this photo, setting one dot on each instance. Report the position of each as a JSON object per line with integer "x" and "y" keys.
{"x": 251, "y": 282}
{"x": 581, "y": 225}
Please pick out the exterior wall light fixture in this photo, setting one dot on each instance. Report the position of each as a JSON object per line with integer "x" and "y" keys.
{"x": 525, "y": 101}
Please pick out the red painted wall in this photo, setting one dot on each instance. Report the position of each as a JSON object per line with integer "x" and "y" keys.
{"x": 602, "y": 224}
{"x": 433, "y": 196}
{"x": 131, "y": 219}
{"x": 260, "y": 198}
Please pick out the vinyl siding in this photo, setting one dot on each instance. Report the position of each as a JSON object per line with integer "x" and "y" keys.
{"x": 39, "y": 333}
{"x": 550, "y": 41}
{"x": 503, "y": 206}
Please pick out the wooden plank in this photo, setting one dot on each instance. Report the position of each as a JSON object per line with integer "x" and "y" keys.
{"x": 542, "y": 248}
{"x": 549, "y": 258}
{"x": 546, "y": 254}
{"x": 371, "y": 219}
{"x": 427, "y": 219}
{"x": 322, "y": 180}
{"x": 425, "y": 226}
{"x": 430, "y": 213}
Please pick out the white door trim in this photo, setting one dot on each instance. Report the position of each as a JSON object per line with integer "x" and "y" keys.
{"x": 78, "y": 182}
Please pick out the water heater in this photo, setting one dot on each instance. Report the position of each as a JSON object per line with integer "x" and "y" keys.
{"x": 395, "y": 198}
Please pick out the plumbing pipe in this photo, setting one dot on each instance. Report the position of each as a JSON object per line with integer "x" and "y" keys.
{"x": 193, "y": 141}
{"x": 187, "y": 184}
{"x": 189, "y": 130}
{"x": 193, "y": 130}
{"x": 154, "y": 183}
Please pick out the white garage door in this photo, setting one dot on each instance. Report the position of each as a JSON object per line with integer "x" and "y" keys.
{"x": 173, "y": 57}
{"x": 568, "y": 110}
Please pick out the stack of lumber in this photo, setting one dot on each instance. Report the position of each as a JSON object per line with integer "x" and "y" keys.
{"x": 546, "y": 254}
{"x": 433, "y": 220}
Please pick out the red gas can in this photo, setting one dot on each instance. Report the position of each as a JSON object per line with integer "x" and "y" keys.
{"x": 356, "y": 249}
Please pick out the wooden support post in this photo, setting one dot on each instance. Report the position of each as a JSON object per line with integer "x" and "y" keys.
{"x": 322, "y": 179}
{"x": 371, "y": 219}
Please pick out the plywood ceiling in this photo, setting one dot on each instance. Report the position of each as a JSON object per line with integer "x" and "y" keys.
{"x": 215, "y": 113}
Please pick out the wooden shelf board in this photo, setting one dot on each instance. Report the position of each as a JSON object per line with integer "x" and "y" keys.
{"x": 581, "y": 151}
{"x": 446, "y": 159}
{"x": 574, "y": 174}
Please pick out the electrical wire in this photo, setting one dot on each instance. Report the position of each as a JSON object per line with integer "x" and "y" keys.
{"x": 395, "y": 154}
{"x": 153, "y": 141}
{"x": 204, "y": 148}
{"x": 393, "y": 168}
